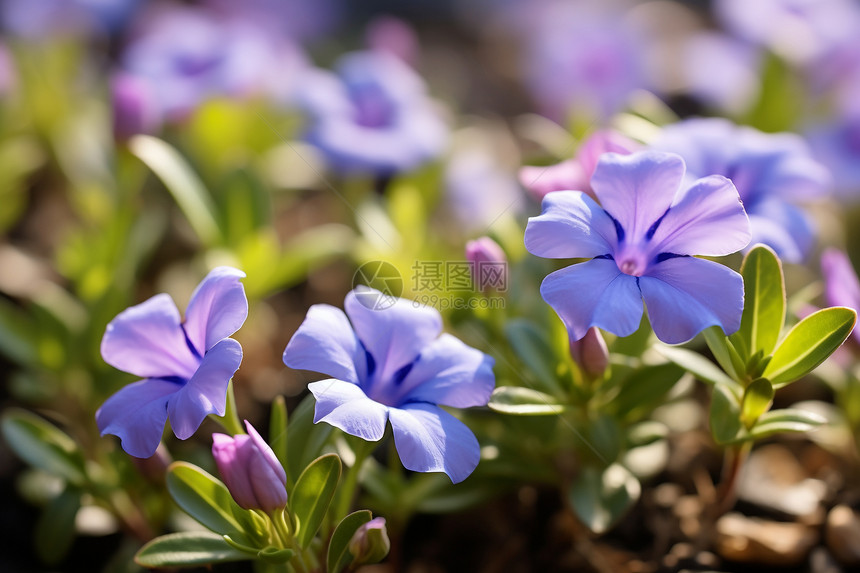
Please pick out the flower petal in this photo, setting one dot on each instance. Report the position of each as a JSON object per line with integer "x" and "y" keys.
{"x": 594, "y": 293}
{"x": 565, "y": 176}
{"x": 637, "y": 189}
{"x": 842, "y": 287}
{"x": 136, "y": 413}
{"x": 147, "y": 340}
{"x": 707, "y": 219}
{"x": 325, "y": 342}
{"x": 396, "y": 333}
{"x": 206, "y": 391}
{"x": 217, "y": 309}
{"x": 451, "y": 373}
{"x": 784, "y": 227}
{"x": 345, "y": 406}
{"x": 266, "y": 452}
{"x": 685, "y": 295}
{"x": 571, "y": 225}
{"x": 428, "y": 439}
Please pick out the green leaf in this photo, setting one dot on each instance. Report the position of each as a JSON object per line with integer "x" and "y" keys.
{"x": 278, "y": 429}
{"x": 43, "y": 445}
{"x": 55, "y": 529}
{"x": 533, "y": 348}
{"x": 645, "y": 389}
{"x": 758, "y": 397}
{"x": 524, "y": 402}
{"x": 187, "y": 549}
{"x": 338, "y": 556}
{"x": 182, "y": 182}
{"x": 725, "y": 353}
{"x": 273, "y": 554}
{"x": 725, "y": 415}
{"x": 697, "y": 365}
{"x": 786, "y": 420}
{"x": 600, "y": 497}
{"x": 764, "y": 303}
{"x": 204, "y": 498}
{"x": 809, "y": 343}
{"x": 312, "y": 495}
{"x": 305, "y": 439}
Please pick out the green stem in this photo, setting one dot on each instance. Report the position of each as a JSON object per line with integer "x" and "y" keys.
{"x": 727, "y": 490}
{"x": 346, "y": 492}
{"x": 286, "y": 540}
{"x": 230, "y": 420}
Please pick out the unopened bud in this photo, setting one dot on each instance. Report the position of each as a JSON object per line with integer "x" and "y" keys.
{"x": 590, "y": 353}
{"x": 489, "y": 264}
{"x": 370, "y": 544}
{"x": 135, "y": 108}
{"x": 250, "y": 470}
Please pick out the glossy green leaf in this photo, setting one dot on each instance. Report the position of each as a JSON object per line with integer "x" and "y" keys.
{"x": 786, "y": 420}
{"x": 338, "y": 556}
{"x": 758, "y": 397}
{"x": 600, "y": 497}
{"x": 187, "y": 549}
{"x": 203, "y": 497}
{"x": 696, "y": 364}
{"x": 524, "y": 402}
{"x": 55, "y": 529}
{"x": 809, "y": 343}
{"x": 278, "y": 429}
{"x": 182, "y": 182}
{"x": 764, "y": 303}
{"x": 535, "y": 351}
{"x": 312, "y": 495}
{"x": 725, "y": 415}
{"x": 43, "y": 445}
{"x": 645, "y": 389}
{"x": 725, "y": 353}
{"x": 305, "y": 439}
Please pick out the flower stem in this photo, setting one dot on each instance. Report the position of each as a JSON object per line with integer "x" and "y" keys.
{"x": 727, "y": 490}
{"x": 346, "y": 492}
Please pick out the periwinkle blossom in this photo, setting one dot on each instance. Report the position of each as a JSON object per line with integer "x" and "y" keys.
{"x": 575, "y": 173}
{"x": 41, "y": 19}
{"x": 640, "y": 243}
{"x": 185, "y": 365}
{"x": 841, "y": 285}
{"x": 134, "y": 106}
{"x": 771, "y": 172}
{"x": 250, "y": 470}
{"x": 373, "y": 115}
{"x": 479, "y": 190}
{"x": 192, "y": 54}
{"x": 392, "y": 365}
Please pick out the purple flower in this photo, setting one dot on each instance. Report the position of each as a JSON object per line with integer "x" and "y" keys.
{"x": 842, "y": 288}
{"x": 770, "y": 172}
{"x": 489, "y": 263}
{"x": 373, "y": 116}
{"x": 186, "y": 366}
{"x": 837, "y": 145}
{"x": 41, "y": 19}
{"x": 479, "y": 190}
{"x": 393, "y": 365}
{"x": 640, "y": 241}
{"x": 134, "y": 107}
{"x": 575, "y": 174}
{"x": 250, "y": 470}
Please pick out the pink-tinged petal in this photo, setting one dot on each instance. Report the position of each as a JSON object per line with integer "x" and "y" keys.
{"x": 594, "y": 293}
{"x": 136, "y": 413}
{"x": 269, "y": 490}
{"x": 395, "y": 332}
{"x": 231, "y": 460}
{"x": 428, "y": 439}
{"x": 206, "y": 391}
{"x": 571, "y": 225}
{"x": 325, "y": 342}
{"x": 217, "y": 309}
{"x": 267, "y": 453}
{"x": 600, "y": 142}
{"x": 345, "y": 406}
{"x": 708, "y": 219}
{"x": 686, "y": 295}
{"x": 841, "y": 286}
{"x": 565, "y": 176}
{"x": 450, "y": 373}
{"x": 636, "y": 190}
{"x": 147, "y": 340}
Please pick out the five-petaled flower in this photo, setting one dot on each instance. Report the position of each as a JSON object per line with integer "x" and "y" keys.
{"x": 186, "y": 366}
{"x": 393, "y": 365}
{"x": 640, "y": 241}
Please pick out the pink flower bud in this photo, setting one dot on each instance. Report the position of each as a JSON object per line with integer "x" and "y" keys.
{"x": 135, "y": 109}
{"x": 590, "y": 353}
{"x": 489, "y": 264}
{"x": 370, "y": 543}
{"x": 250, "y": 470}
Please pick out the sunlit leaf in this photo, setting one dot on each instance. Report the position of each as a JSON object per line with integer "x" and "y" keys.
{"x": 524, "y": 402}
{"x": 187, "y": 549}
{"x": 312, "y": 495}
{"x": 338, "y": 556}
{"x": 758, "y": 397}
{"x": 43, "y": 445}
{"x": 764, "y": 303}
